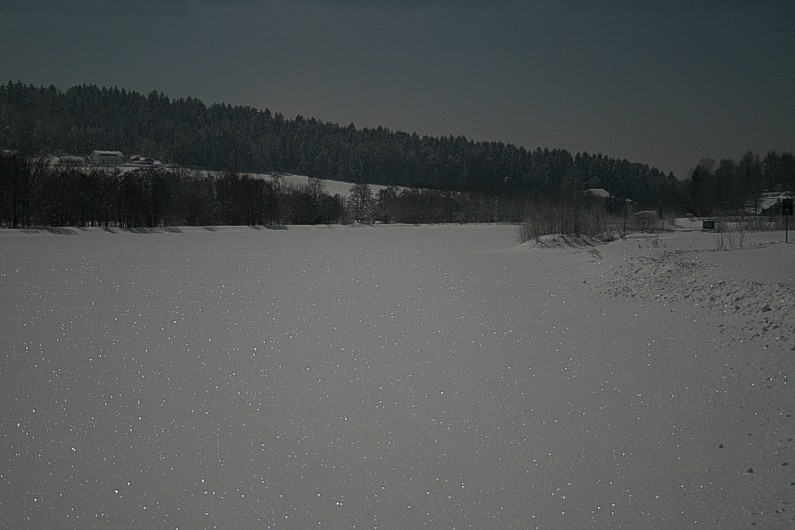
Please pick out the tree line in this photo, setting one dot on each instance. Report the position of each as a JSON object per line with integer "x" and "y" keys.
{"x": 36, "y": 193}
{"x": 732, "y": 187}
{"x": 453, "y": 179}
{"x": 185, "y": 131}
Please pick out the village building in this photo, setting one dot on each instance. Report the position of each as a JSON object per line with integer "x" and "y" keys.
{"x": 139, "y": 160}
{"x": 106, "y": 158}
{"x": 598, "y": 192}
{"x": 770, "y": 203}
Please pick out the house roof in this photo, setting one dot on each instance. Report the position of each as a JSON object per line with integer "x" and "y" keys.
{"x": 599, "y": 192}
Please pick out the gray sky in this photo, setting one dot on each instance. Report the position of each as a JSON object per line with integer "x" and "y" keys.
{"x": 655, "y": 81}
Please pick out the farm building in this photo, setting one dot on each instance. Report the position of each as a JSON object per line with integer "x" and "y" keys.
{"x": 106, "y": 158}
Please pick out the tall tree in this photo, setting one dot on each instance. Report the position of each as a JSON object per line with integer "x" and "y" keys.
{"x": 361, "y": 203}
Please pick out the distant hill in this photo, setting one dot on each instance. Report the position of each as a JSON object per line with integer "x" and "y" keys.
{"x": 185, "y": 131}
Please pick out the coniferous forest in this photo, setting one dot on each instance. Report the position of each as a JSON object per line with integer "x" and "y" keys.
{"x": 454, "y": 179}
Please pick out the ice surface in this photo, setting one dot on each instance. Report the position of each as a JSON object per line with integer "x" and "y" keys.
{"x": 393, "y": 377}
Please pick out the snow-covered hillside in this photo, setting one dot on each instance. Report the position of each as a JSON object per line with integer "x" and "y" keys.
{"x": 394, "y": 377}
{"x": 332, "y": 187}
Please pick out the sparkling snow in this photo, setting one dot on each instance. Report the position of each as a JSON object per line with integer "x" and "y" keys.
{"x": 394, "y": 377}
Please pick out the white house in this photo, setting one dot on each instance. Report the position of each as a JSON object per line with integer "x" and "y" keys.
{"x": 106, "y": 158}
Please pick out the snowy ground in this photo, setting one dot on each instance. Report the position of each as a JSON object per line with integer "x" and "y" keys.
{"x": 394, "y": 377}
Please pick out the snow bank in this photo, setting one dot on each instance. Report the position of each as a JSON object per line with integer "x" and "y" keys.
{"x": 563, "y": 241}
{"x": 765, "y": 310}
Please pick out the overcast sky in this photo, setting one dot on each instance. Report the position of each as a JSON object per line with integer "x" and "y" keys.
{"x": 663, "y": 82}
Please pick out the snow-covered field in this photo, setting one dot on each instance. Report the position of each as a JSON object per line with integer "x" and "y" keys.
{"x": 394, "y": 377}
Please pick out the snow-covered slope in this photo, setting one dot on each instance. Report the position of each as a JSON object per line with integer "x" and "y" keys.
{"x": 332, "y": 187}
{"x": 393, "y": 377}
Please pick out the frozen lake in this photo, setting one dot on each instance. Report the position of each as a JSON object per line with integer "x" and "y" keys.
{"x": 390, "y": 377}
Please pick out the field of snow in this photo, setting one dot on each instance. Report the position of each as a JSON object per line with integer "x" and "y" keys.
{"x": 394, "y": 377}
